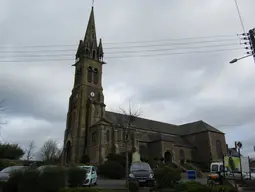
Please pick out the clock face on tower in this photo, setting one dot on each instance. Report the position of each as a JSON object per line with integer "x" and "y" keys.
{"x": 92, "y": 94}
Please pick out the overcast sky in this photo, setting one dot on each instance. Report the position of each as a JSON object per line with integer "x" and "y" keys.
{"x": 175, "y": 88}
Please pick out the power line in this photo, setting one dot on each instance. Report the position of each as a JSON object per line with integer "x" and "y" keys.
{"x": 239, "y": 14}
{"x": 118, "y": 52}
{"x": 128, "y": 56}
{"x": 172, "y": 39}
{"x": 134, "y": 42}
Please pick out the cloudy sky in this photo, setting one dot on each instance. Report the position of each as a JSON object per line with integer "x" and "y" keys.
{"x": 172, "y": 82}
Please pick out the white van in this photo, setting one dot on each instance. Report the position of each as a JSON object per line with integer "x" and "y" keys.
{"x": 218, "y": 167}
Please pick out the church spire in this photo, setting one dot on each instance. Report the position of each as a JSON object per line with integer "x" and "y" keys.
{"x": 88, "y": 47}
{"x": 90, "y": 38}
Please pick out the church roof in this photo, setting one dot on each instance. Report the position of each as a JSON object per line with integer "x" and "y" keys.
{"x": 161, "y": 127}
{"x": 177, "y": 140}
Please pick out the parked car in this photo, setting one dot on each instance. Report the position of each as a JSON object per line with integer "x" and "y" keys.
{"x": 43, "y": 167}
{"x": 142, "y": 173}
{"x": 5, "y": 173}
{"x": 91, "y": 175}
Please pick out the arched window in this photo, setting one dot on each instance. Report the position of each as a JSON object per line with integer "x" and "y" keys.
{"x": 107, "y": 136}
{"x": 87, "y": 52}
{"x": 90, "y": 74}
{"x": 95, "y": 78}
{"x": 94, "y": 54}
{"x": 219, "y": 149}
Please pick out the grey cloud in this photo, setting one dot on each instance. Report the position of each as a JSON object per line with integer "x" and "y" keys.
{"x": 22, "y": 130}
{"x": 35, "y": 94}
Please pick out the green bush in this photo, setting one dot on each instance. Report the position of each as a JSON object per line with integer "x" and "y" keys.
{"x": 7, "y": 163}
{"x": 76, "y": 176}
{"x": 225, "y": 188}
{"x": 167, "y": 176}
{"x": 12, "y": 185}
{"x": 52, "y": 179}
{"x": 112, "y": 170}
{"x": 89, "y": 190}
{"x": 191, "y": 186}
{"x": 29, "y": 181}
{"x": 134, "y": 186}
{"x": 11, "y": 151}
{"x": 3, "y": 186}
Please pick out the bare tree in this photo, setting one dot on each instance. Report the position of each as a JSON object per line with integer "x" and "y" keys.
{"x": 126, "y": 120}
{"x": 30, "y": 151}
{"x": 50, "y": 151}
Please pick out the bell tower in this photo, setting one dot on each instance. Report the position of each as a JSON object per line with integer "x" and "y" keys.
{"x": 87, "y": 92}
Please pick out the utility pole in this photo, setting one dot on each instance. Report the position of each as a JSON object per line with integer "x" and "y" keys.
{"x": 250, "y": 42}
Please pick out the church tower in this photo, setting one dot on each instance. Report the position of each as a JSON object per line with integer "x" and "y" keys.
{"x": 87, "y": 95}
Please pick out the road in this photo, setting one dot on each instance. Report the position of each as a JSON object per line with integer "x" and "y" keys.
{"x": 120, "y": 184}
{"x": 110, "y": 184}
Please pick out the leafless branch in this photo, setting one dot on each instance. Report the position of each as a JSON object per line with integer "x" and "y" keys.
{"x": 30, "y": 151}
{"x": 50, "y": 150}
{"x": 125, "y": 119}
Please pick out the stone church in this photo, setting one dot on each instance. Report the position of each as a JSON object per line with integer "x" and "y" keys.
{"x": 92, "y": 131}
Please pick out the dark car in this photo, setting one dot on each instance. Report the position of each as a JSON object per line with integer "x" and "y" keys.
{"x": 142, "y": 173}
{"x": 5, "y": 173}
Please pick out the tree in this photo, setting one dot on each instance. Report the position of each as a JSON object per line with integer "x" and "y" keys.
{"x": 11, "y": 151}
{"x": 50, "y": 151}
{"x": 30, "y": 151}
{"x": 125, "y": 120}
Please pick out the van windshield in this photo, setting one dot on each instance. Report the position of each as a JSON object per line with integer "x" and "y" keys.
{"x": 214, "y": 168}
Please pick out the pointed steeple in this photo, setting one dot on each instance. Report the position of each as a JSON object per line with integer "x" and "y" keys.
{"x": 90, "y": 38}
{"x": 88, "y": 47}
{"x": 100, "y": 51}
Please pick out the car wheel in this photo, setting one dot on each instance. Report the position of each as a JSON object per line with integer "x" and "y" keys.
{"x": 90, "y": 183}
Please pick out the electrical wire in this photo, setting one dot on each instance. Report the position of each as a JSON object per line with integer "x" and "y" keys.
{"x": 240, "y": 18}
{"x": 118, "y": 52}
{"x": 134, "y": 42}
{"x": 128, "y": 56}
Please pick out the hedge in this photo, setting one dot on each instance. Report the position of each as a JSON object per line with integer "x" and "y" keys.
{"x": 29, "y": 181}
{"x": 167, "y": 176}
{"x": 52, "y": 179}
{"x": 76, "y": 176}
{"x": 112, "y": 170}
{"x": 84, "y": 189}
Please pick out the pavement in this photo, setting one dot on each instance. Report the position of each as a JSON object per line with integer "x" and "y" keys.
{"x": 110, "y": 183}
{"x": 120, "y": 184}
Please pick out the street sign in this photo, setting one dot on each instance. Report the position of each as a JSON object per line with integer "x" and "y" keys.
{"x": 191, "y": 174}
{"x": 238, "y": 145}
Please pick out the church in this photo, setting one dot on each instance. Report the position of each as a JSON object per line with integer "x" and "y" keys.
{"x": 93, "y": 132}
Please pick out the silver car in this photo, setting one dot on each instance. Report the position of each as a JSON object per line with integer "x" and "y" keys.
{"x": 5, "y": 173}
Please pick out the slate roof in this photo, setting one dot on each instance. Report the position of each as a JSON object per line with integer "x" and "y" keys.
{"x": 161, "y": 127}
{"x": 177, "y": 140}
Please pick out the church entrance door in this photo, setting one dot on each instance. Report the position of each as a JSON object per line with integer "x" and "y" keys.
{"x": 168, "y": 157}
{"x": 182, "y": 157}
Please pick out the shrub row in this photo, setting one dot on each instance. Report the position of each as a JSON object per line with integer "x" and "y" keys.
{"x": 48, "y": 180}
{"x": 169, "y": 177}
